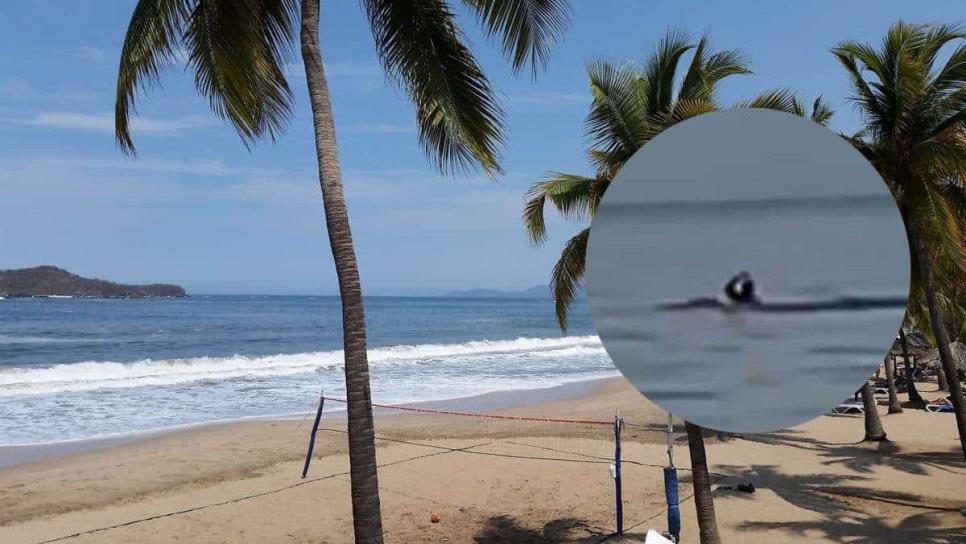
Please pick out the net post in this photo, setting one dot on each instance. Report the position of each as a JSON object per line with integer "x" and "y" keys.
{"x": 671, "y": 486}
{"x": 315, "y": 429}
{"x": 670, "y": 440}
{"x": 618, "y": 427}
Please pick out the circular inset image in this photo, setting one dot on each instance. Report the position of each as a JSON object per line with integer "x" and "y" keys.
{"x": 747, "y": 270}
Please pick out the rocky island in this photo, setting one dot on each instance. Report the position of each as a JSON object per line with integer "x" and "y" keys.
{"x": 50, "y": 281}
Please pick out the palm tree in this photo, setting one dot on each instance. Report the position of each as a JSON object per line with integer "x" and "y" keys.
{"x": 914, "y": 396}
{"x": 874, "y": 432}
{"x": 890, "y": 371}
{"x": 237, "y": 49}
{"x": 701, "y": 483}
{"x": 631, "y": 105}
{"x": 914, "y": 113}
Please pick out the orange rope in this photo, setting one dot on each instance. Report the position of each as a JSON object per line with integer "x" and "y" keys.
{"x": 488, "y": 416}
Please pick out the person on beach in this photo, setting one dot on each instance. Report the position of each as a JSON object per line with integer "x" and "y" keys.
{"x": 740, "y": 289}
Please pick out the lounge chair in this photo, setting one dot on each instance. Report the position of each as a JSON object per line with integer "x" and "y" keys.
{"x": 850, "y": 406}
{"x": 943, "y": 405}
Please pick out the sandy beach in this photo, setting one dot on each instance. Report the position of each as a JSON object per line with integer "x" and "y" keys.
{"x": 498, "y": 481}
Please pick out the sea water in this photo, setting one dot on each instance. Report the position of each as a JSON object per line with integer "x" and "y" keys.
{"x": 79, "y": 368}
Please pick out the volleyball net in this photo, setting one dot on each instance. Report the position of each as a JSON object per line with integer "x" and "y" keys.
{"x": 599, "y": 442}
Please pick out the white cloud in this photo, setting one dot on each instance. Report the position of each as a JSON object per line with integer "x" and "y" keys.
{"x": 105, "y": 122}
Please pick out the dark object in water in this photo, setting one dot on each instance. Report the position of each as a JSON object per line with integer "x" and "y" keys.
{"x": 740, "y": 289}
{"x": 746, "y": 488}
{"x": 841, "y": 303}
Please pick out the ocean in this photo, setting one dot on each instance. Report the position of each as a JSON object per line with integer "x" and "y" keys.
{"x": 750, "y": 370}
{"x": 82, "y": 368}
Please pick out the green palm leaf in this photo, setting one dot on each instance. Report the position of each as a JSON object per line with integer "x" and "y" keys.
{"x": 617, "y": 119}
{"x": 236, "y": 49}
{"x": 153, "y": 36}
{"x": 568, "y": 273}
{"x": 420, "y": 46}
{"x": 527, "y": 28}
{"x": 572, "y": 195}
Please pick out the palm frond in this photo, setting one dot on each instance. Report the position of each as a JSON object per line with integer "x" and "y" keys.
{"x": 937, "y": 36}
{"x": 572, "y": 195}
{"x": 236, "y": 49}
{"x": 682, "y": 111}
{"x": 822, "y": 111}
{"x": 661, "y": 68}
{"x": 618, "y": 112}
{"x": 527, "y": 28}
{"x": 693, "y": 85}
{"x": 568, "y": 275}
{"x": 865, "y": 97}
{"x": 150, "y": 45}
{"x": 952, "y": 76}
{"x": 775, "y": 99}
{"x": 787, "y": 101}
{"x": 421, "y": 46}
{"x": 725, "y": 64}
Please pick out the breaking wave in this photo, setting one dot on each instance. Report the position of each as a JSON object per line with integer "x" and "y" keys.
{"x": 94, "y": 375}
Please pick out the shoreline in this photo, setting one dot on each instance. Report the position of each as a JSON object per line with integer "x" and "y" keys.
{"x": 21, "y": 454}
{"x": 497, "y": 480}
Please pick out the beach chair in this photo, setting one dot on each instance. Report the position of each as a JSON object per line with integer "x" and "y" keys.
{"x": 850, "y": 406}
{"x": 944, "y": 405}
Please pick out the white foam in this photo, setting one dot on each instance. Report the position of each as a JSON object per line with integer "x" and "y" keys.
{"x": 92, "y": 375}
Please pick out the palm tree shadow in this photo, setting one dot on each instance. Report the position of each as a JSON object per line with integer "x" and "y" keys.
{"x": 841, "y": 520}
{"x": 501, "y": 529}
{"x": 864, "y": 457}
{"x": 925, "y": 527}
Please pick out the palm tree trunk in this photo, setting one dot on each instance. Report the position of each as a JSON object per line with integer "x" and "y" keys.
{"x": 941, "y": 377}
{"x": 366, "y": 516}
{"x": 701, "y": 481}
{"x": 890, "y": 371}
{"x": 874, "y": 432}
{"x": 942, "y": 340}
{"x": 914, "y": 395}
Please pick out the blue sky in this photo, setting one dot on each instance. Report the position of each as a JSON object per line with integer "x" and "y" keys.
{"x": 197, "y": 208}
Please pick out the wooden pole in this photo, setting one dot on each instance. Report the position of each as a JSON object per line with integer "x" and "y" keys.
{"x": 315, "y": 429}
{"x": 618, "y": 426}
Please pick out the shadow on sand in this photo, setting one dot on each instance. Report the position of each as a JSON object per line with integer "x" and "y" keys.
{"x": 863, "y": 457}
{"x": 843, "y": 500}
{"x": 505, "y": 529}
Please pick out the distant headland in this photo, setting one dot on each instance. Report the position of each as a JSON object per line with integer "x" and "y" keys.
{"x": 50, "y": 281}
{"x": 538, "y": 291}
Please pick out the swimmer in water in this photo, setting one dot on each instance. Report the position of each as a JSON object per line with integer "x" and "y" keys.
{"x": 740, "y": 289}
